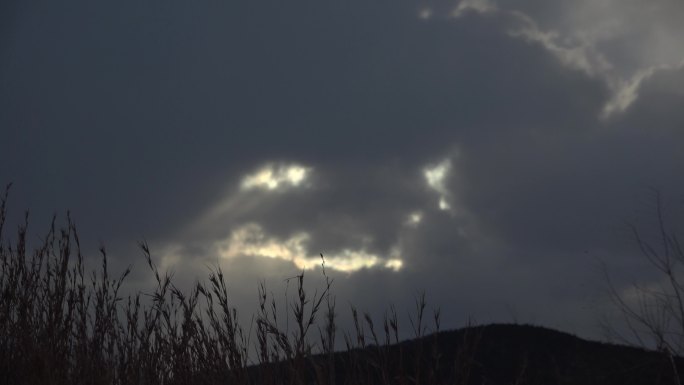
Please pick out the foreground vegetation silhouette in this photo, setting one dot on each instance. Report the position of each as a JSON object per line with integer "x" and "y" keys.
{"x": 62, "y": 325}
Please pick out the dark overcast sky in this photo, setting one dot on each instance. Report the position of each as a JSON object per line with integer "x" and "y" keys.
{"x": 487, "y": 153}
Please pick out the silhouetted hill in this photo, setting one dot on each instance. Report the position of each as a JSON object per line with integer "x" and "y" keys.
{"x": 507, "y": 354}
{"x": 493, "y": 355}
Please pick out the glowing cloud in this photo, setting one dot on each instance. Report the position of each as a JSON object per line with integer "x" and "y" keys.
{"x": 250, "y": 240}
{"x": 436, "y": 176}
{"x": 414, "y": 218}
{"x": 394, "y": 264}
{"x": 443, "y": 204}
{"x": 272, "y": 177}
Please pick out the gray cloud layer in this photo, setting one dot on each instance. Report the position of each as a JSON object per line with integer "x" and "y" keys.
{"x": 145, "y": 118}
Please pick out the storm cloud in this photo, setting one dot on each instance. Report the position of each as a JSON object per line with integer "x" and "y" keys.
{"x": 485, "y": 152}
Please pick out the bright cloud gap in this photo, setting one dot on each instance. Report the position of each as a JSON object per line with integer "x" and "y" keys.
{"x": 251, "y": 240}
{"x": 414, "y": 218}
{"x": 435, "y": 176}
{"x": 273, "y": 177}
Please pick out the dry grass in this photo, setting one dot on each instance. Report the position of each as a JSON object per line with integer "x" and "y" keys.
{"x": 62, "y": 325}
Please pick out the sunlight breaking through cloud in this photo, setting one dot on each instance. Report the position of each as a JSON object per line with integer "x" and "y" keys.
{"x": 251, "y": 240}
{"x": 435, "y": 177}
{"x": 272, "y": 177}
{"x": 414, "y": 219}
{"x": 394, "y": 264}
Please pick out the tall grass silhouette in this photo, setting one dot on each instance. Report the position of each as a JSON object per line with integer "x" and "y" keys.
{"x": 62, "y": 324}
